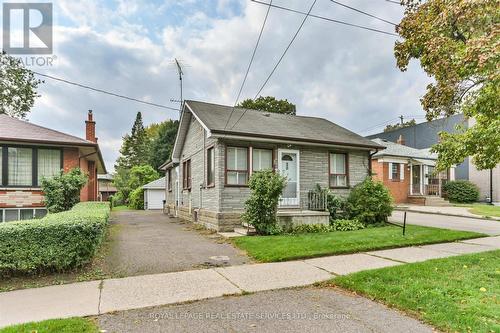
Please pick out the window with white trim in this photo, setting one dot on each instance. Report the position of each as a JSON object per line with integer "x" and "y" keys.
{"x": 338, "y": 170}
{"x": 262, "y": 159}
{"x": 237, "y": 166}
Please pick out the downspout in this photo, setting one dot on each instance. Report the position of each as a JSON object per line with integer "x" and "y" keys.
{"x": 370, "y": 155}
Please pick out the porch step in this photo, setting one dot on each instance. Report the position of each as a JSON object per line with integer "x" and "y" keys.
{"x": 436, "y": 201}
{"x": 245, "y": 231}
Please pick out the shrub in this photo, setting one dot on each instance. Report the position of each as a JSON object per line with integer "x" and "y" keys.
{"x": 63, "y": 191}
{"x": 136, "y": 198}
{"x": 310, "y": 228}
{"x": 347, "y": 225}
{"x": 461, "y": 191}
{"x": 369, "y": 202}
{"x": 262, "y": 205}
{"x": 57, "y": 242}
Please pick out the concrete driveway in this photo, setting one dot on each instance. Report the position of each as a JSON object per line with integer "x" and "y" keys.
{"x": 488, "y": 227}
{"x": 149, "y": 242}
{"x": 293, "y": 310}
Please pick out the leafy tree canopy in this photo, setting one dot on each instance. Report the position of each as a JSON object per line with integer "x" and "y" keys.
{"x": 17, "y": 87}
{"x": 269, "y": 104}
{"x": 399, "y": 125}
{"x": 457, "y": 43}
{"x": 162, "y": 142}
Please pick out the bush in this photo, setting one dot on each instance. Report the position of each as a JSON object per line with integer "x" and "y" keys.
{"x": 369, "y": 202}
{"x": 347, "y": 225}
{"x": 309, "y": 228}
{"x": 62, "y": 192}
{"x": 462, "y": 191}
{"x": 262, "y": 205}
{"x": 136, "y": 198}
{"x": 57, "y": 242}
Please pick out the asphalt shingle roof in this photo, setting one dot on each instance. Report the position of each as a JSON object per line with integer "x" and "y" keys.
{"x": 155, "y": 184}
{"x": 12, "y": 129}
{"x": 396, "y": 149}
{"x": 256, "y": 123}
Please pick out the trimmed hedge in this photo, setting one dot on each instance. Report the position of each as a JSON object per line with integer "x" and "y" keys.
{"x": 57, "y": 242}
{"x": 462, "y": 191}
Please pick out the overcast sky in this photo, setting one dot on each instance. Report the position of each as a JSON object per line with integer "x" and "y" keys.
{"x": 344, "y": 74}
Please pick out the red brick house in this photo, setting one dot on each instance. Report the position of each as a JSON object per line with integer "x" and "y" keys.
{"x": 409, "y": 173}
{"x": 29, "y": 152}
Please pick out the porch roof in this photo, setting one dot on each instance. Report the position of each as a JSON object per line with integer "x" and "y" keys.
{"x": 398, "y": 150}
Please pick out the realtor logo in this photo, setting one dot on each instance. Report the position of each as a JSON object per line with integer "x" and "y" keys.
{"x": 27, "y": 28}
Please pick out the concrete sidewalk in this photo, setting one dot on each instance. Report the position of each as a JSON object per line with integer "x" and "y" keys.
{"x": 444, "y": 210}
{"x": 97, "y": 297}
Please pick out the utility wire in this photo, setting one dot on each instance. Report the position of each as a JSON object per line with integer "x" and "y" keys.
{"x": 104, "y": 91}
{"x": 328, "y": 19}
{"x": 280, "y": 59}
{"x": 253, "y": 54}
{"x": 363, "y": 12}
{"x": 286, "y": 49}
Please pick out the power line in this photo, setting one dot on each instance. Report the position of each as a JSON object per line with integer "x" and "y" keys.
{"x": 280, "y": 59}
{"x": 253, "y": 54}
{"x": 286, "y": 49}
{"x": 328, "y": 19}
{"x": 363, "y": 12}
{"x": 105, "y": 92}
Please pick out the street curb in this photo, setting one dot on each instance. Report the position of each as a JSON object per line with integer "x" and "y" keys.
{"x": 482, "y": 218}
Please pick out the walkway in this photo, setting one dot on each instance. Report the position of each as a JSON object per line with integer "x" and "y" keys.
{"x": 444, "y": 210}
{"x": 488, "y": 227}
{"x": 97, "y": 297}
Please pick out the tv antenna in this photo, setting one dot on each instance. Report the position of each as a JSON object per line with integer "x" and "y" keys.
{"x": 181, "y": 73}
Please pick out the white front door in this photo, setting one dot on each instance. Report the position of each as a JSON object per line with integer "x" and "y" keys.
{"x": 289, "y": 165}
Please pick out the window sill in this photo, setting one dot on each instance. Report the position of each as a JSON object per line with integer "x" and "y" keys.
{"x": 210, "y": 186}
{"x": 340, "y": 187}
{"x": 231, "y": 185}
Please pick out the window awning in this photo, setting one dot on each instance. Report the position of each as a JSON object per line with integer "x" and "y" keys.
{"x": 424, "y": 162}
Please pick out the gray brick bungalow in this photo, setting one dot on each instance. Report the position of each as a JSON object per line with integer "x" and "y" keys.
{"x": 218, "y": 148}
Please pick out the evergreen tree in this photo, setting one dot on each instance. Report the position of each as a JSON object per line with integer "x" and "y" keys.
{"x": 135, "y": 147}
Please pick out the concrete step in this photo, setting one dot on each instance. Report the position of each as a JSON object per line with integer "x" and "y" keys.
{"x": 245, "y": 231}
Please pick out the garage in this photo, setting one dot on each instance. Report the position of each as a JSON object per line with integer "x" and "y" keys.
{"x": 154, "y": 194}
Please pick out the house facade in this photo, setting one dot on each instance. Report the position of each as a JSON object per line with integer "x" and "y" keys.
{"x": 29, "y": 153}
{"x": 106, "y": 187}
{"x": 410, "y": 174}
{"x": 425, "y": 135}
{"x": 219, "y": 147}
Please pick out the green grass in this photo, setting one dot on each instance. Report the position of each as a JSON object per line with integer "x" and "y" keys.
{"x": 289, "y": 247}
{"x": 481, "y": 209}
{"x": 120, "y": 208}
{"x": 71, "y": 325}
{"x": 459, "y": 294}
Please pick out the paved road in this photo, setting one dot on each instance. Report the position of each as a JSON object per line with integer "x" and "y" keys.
{"x": 488, "y": 227}
{"x": 293, "y": 310}
{"x": 146, "y": 242}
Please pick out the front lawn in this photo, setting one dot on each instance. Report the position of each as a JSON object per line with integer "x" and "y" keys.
{"x": 481, "y": 209}
{"x": 456, "y": 294}
{"x": 289, "y": 247}
{"x": 71, "y": 325}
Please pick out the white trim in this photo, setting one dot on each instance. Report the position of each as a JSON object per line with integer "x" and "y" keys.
{"x": 209, "y": 133}
{"x": 288, "y": 142}
{"x": 296, "y": 201}
{"x": 390, "y": 170}
{"x": 401, "y": 171}
{"x": 411, "y": 178}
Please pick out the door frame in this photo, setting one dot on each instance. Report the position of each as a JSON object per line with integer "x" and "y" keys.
{"x": 297, "y": 152}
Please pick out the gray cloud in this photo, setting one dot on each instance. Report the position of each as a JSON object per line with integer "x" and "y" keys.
{"x": 346, "y": 75}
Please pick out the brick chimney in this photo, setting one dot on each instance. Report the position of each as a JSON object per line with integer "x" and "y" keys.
{"x": 90, "y": 128}
{"x": 401, "y": 140}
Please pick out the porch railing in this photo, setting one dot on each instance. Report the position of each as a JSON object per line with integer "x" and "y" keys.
{"x": 317, "y": 201}
{"x": 429, "y": 189}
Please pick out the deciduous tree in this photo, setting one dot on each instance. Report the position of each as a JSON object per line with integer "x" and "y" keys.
{"x": 269, "y": 104}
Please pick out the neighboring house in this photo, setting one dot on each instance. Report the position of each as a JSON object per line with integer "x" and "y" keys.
{"x": 154, "y": 194}
{"x": 106, "y": 187}
{"x": 218, "y": 147}
{"x": 425, "y": 135}
{"x": 29, "y": 152}
{"x": 409, "y": 173}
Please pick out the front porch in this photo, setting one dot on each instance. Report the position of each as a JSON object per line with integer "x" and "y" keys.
{"x": 426, "y": 185}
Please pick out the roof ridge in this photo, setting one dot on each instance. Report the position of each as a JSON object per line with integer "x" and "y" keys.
{"x": 26, "y": 122}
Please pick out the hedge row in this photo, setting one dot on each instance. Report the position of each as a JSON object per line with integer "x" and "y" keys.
{"x": 56, "y": 242}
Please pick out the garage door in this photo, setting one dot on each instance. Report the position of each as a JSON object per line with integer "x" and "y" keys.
{"x": 155, "y": 199}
